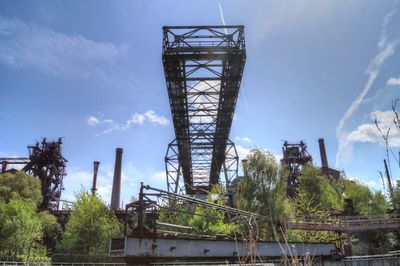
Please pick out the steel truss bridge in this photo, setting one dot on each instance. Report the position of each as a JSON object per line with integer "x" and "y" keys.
{"x": 203, "y": 69}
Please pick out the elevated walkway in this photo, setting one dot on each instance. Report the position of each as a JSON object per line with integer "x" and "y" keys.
{"x": 342, "y": 223}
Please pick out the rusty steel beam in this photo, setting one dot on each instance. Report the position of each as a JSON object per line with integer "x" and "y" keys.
{"x": 203, "y": 68}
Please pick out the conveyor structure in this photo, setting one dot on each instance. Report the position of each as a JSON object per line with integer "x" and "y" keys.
{"x": 203, "y": 68}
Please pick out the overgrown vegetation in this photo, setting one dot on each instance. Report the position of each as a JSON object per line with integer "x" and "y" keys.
{"x": 29, "y": 235}
{"x": 26, "y": 234}
{"x": 262, "y": 191}
{"x": 90, "y": 227}
{"x": 21, "y": 227}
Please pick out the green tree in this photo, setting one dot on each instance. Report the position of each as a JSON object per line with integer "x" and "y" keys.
{"x": 261, "y": 190}
{"x": 20, "y": 231}
{"x": 317, "y": 190}
{"x": 302, "y": 205}
{"x": 209, "y": 220}
{"x": 90, "y": 227}
{"x": 20, "y": 185}
{"x": 52, "y": 231}
{"x": 365, "y": 202}
{"x": 316, "y": 196}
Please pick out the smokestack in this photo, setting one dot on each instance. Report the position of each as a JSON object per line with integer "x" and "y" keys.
{"x": 3, "y": 166}
{"x": 324, "y": 159}
{"x": 95, "y": 170}
{"x": 116, "y": 189}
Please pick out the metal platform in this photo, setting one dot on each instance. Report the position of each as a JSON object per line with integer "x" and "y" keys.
{"x": 47, "y": 164}
{"x": 342, "y": 224}
{"x": 203, "y": 68}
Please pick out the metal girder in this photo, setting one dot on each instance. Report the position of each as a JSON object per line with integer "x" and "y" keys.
{"x": 45, "y": 162}
{"x": 203, "y": 69}
{"x": 295, "y": 157}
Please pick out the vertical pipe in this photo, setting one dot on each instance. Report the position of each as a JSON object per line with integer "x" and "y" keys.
{"x": 141, "y": 211}
{"x": 3, "y": 166}
{"x": 322, "y": 151}
{"x": 95, "y": 170}
{"x": 116, "y": 189}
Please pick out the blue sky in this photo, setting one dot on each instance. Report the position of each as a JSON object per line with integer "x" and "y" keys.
{"x": 91, "y": 71}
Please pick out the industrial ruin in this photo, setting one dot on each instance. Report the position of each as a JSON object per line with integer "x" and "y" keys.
{"x": 203, "y": 68}
{"x": 45, "y": 161}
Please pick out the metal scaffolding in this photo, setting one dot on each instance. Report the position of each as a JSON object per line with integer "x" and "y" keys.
{"x": 295, "y": 157}
{"x": 45, "y": 162}
{"x": 203, "y": 69}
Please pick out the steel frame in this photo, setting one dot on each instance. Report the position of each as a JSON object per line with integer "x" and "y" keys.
{"x": 47, "y": 164}
{"x": 203, "y": 69}
{"x": 295, "y": 157}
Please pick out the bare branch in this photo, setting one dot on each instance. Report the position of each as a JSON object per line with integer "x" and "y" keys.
{"x": 396, "y": 119}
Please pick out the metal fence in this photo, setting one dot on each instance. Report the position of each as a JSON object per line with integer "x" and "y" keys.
{"x": 27, "y": 263}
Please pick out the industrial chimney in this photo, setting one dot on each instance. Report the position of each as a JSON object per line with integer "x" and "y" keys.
{"x": 95, "y": 170}
{"x": 116, "y": 189}
{"x": 324, "y": 158}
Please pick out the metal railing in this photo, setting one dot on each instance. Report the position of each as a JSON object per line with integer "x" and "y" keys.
{"x": 48, "y": 263}
{"x": 342, "y": 223}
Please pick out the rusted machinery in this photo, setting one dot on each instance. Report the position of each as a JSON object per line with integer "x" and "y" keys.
{"x": 45, "y": 162}
{"x": 203, "y": 68}
{"x": 295, "y": 157}
{"x": 156, "y": 241}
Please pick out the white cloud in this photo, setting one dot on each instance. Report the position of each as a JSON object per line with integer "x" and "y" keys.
{"x": 278, "y": 157}
{"x": 369, "y": 133}
{"x": 136, "y": 119}
{"x": 159, "y": 177}
{"x": 244, "y": 139}
{"x": 221, "y": 13}
{"x": 386, "y": 49}
{"x": 78, "y": 179}
{"x": 104, "y": 191}
{"x": 92, "y": 121}
{"x": 155, "y": 119}
{"x": 393, "y": 81}
{"x": 242, "y": 152}
{"x": 28, "y": 45}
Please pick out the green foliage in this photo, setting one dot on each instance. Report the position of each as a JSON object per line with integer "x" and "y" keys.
{"x": 304, "y": 205}
{"x": 210, "y": 221}
{"x": 365, "y": 202}
{"x": 203, "y": 220}
{"x": 316, "y": 190}
{"x": 396, "y": 198}
{"x": 175, "y": 213}
{"x": 21, "y": 227}
{"x": 90, "y": 227}
{"x": 261, "y": 190}
{"x": 20, "y": 231}
{"x": 52, "y": 231}
{"x": 19, "y": 184}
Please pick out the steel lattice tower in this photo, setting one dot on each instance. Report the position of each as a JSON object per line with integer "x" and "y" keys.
{"x": 203, "y": 69}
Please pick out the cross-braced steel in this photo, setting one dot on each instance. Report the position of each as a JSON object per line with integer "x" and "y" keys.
{"x": 47, "y": 164}
{"x": 295, "y": 157}
{"x": 203, "y": 69}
